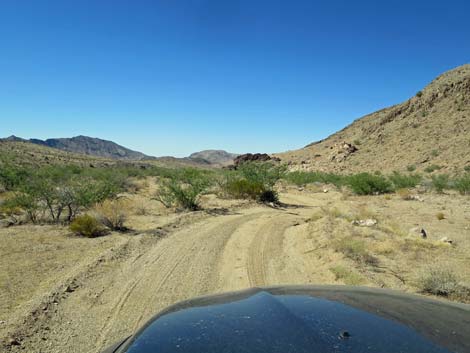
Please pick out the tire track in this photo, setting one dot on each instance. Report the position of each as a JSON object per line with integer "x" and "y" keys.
{"x": 265, "y": 246}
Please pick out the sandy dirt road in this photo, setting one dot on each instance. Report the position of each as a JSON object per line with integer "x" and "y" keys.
{"x": 112, "y": 297}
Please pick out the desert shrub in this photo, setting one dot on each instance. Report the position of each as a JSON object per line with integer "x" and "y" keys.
{"x": 355, "y": 249}
{"x": 401, "y": 181}
{"x": 11, "y": 177}
{"x": 87, "y": 225}
{"x": 440, "y": 182}
{"x": 419, "y": 94}
{"x": 304, "y": 178}
{"x": 440, "y": 216}
{"x": 266, "y": 174}
{"x": 368, "y": 184}
{"x": 467, "y": 168}
{"x": 253, "y": 181}
{"x": 243, "y": 188}
{"x": 439, "y": 281}
{"x": 432, "y": 168}
{"x": 269, "y": 196}
{"x": 347, "y": 276}
{"x": 184, "y": 193}
{"x": 462, "y": 184}
{"x": 22, "y": 202}
{"x": 113, "y": 213}
{"x": 411, "y": 168}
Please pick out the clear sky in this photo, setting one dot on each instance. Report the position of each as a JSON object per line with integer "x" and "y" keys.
{"x": 171, "y": 77}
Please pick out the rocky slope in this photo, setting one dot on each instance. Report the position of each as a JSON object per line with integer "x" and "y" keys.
{"x": 429, "y": 131}
{"x": 217, "y": 157}
{"x": 86, "y": 145}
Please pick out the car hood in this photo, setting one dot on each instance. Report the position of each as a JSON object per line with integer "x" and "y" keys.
{"x": 306, "y": 319}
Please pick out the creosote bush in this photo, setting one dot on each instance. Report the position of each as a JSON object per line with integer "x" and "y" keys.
{"x": 87, "y": 226}
{"x": 401, "y": 181}
{"x": 183, "y": 190}
{"x": 462, "y": 184}
{"x": 439, "y": 281}
{"x": 253, "y": 180}
{"x": 440, "y": 182}
{"x": 368, "y": 184}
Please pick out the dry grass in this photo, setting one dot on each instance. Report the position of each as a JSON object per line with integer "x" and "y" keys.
{"x": 355, "y": 249}
{"x": 405, "y": 194}
{"x": 347, "y": 276}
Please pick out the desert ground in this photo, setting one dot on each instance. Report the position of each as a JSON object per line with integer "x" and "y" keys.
{"x": 64, "y": 293}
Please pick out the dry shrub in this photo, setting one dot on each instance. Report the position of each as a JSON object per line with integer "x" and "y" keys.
{"x": 405, "y": 194}
{"x": 440, "y": 216}
{"x": 141, "y": 208}
{"x": 113, "y": 213}
{"x": 442, "y": 281}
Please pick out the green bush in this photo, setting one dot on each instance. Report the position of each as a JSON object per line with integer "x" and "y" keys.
{"x": 87, "y": 226}
{"x": 304, "y": 178}
{"x": 401, "y": 181}
{"x": 462, "y": 184}
{"x": 440, "y": 182}
{"x": 253, "y": 181}
{"x": 432, "y": 168}
{"x": 269, "y": 196}
{"x": 411, "y": 168}
{"x": 467, "y": 168}
{"x": 266, "y": 174}
{"x": 183, "y": 190}
{"x": 368, "y": 184}
{"x": 243, "y": 189}
{"x": 419, "y": 94}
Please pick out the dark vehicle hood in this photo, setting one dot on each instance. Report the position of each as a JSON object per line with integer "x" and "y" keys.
{"x": 306, "y": 319}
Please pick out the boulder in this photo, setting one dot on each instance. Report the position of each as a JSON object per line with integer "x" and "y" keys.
{"x": 364, "y": 222}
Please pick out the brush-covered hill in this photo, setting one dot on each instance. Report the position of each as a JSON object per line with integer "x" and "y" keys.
{"x": 429, "y": 131}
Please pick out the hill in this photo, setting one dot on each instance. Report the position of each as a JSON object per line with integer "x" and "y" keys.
{"x": 214, "y": 157}
{"x": 87, "y": 145}
{"x": 429, "y": 131}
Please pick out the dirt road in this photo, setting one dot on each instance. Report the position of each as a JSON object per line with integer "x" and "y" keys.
{"x": 89, "y": 301}
{"x": 116, "y": 294}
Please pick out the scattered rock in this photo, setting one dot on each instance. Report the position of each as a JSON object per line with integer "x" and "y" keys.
{"x": 5, "y": 223}
{"x": 69, "y": 289}
{"x": 253, "y": 157}
{"x": 418, "y": 231}
{"x": 325, "y": 190}
{"x": 446, "y": 240}
{"x": 14, "y": 342}
{"x": 364, "y": 222}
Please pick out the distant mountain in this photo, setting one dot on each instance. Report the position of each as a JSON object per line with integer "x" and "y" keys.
{"x": 430, "y": 131}
{"x": 215, "y": 157}
{"x": 86, "y": 145}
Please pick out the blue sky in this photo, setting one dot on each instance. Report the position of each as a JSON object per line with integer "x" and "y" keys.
{"x": 171, "y": 77}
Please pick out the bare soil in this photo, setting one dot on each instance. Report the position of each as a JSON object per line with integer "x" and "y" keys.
{"x": 62, "y": 293}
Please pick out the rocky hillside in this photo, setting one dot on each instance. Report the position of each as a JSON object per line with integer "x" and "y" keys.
{"x": 430, "y": 131}
{"x": 215, "y": 157}
{"x": 86, "y": 145}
